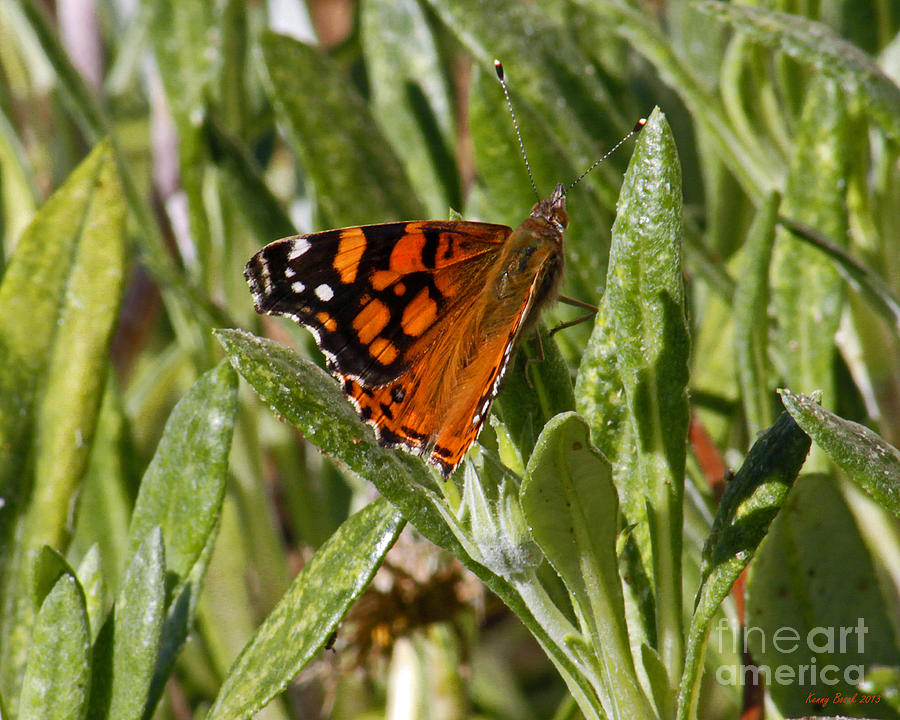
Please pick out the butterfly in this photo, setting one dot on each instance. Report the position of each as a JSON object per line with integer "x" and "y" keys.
{"x": 418, "y": 320}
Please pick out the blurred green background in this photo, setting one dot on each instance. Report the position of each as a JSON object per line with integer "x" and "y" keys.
{"x": 228, "y": 136}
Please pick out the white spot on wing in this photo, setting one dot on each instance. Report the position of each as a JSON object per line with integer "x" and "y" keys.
{"x": 289, "y": 272}
{"x": 298, "y": 287}
{"x": 301, "y": 245}
{"x": 324, "y": 292}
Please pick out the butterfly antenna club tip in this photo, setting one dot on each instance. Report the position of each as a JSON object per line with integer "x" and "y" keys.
{"x": 501, "y": 76}
{"x": 636, "y": 129}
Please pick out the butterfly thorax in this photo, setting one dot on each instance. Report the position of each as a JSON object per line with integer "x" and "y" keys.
{"x": 533, "y": 260}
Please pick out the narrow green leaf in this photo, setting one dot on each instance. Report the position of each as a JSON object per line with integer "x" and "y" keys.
{"x": 184, "y": 485}
{"x": 807, "y": 292}
{"x": 819, "y": 47}
{"x": 49, "y": 567}
{"x": 90, "y": 577}
{"x": 126, "y": 651}
{"x": 58, "y": 674}
{"x": 645, "y": 286}
{"x": 813, "y": 587}
{"x": 751, "y": 323}
{"x": 751, "y": 500}
{"x": 411, "y": 97}
{"x": 357, "y": 177}
{"x": 534, "y": 391}
{"x": 319, "y": 597}
{"x": 545, "y": 65}
{"x": 309, "y": 399}
{"x": 184, "y": 46}
{"x": 569, "y": 500}
{"x": 107, "y": 494}
{"x": 870, "y": 461}
{"x": 65, "y": 278}
{"x": 856, "y": 273}
{"x": 75, "y": 91}
{"x": 647, "y": 37}
{"x": 264, "y": 213}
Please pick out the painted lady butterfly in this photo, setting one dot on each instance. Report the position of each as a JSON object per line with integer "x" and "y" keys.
{"x": 419, "y": 320}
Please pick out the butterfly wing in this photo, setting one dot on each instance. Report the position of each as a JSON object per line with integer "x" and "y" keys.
{"x": 438, "y": 408}
{"x": 370, "y": 294}
{"x": 400, "y": 312}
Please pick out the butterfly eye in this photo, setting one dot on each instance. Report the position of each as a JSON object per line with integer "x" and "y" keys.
{"x": 560, "y": 219}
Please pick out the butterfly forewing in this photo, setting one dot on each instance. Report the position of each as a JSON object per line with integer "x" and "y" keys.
{"x": 370, "y": 294}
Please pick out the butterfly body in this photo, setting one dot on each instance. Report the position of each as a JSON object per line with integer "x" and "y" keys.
{"x": 418, "y": 320}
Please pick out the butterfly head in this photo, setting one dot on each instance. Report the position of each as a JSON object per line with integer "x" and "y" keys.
{"x": 553, "y": 209}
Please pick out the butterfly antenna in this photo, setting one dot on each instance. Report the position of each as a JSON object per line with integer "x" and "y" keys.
{"x": 636, "y": 129}
{"x": 498, "y": 66}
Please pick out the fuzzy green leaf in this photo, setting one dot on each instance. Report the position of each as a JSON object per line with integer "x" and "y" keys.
{"x": 125, "y": 653}
{"x": 813, "y": 587}
{"x": 357, "y": 178}
{"x": 751, "y": 321}
{"x": 58, "y": 673}
{"x": 59, "y": 302}
{"x": 646, "y": 303}
{"x": 184, "y": 485}
{"x": 310, "y": 610}
{"x": 819, "y": 47}
{"x": 751, "y": 500}
{"x": 411, "y": 99}
{"x": 570, "y": 503}
{"x": 870, "y": 461}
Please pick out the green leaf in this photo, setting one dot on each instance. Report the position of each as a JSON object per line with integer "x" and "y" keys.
{"x": 819, "y": 47}
{"x": 812, "y": 593}
{"x": 751, "y": 321}
{"x": 126, "y": 651}
{"x": 534, "y": 390}
{"x": 184, "y": 484}
{"x": 411, "y": 99}
{"x": 49, "y": 567}
{"x": 90, "y": 576}
{"x": 569, "y": 500}
{"x": 58, "y": 674}
{"x": 645, "y": 286}
{"x": 309, "y": 399}
{"x": 807, "y": 292}
{"x": 65, "y": 278}
{"x": 870, "y": 461}
{"x": 357, "y": 177}
{"x": 750, "y": 502}
{"x": 319, "y": 597}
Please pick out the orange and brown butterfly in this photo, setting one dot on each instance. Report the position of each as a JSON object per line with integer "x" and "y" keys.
{"x": 418, "y": 320}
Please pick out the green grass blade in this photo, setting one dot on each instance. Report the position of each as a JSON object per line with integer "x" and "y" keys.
{"x": 310, "y": 610}
{"x": 870, "y": 461}
{"x": 820, "y": 48}
{"x": 58, "y": 674}
{"x": 357, "y": 178}
{"x": 646, "y": 301}
{"x": 751, "y": 500}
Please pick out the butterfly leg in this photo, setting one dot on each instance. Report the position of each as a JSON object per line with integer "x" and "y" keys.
{"x": 539, "y": 358}
{"x": 577, "y": 321}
